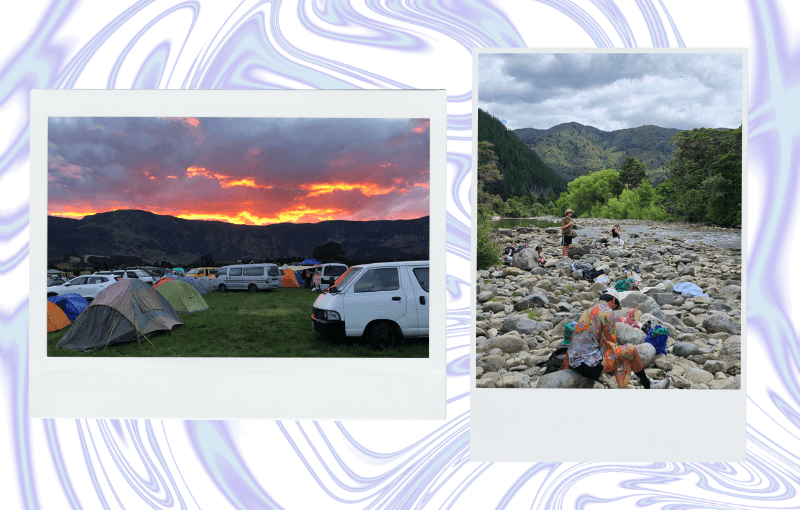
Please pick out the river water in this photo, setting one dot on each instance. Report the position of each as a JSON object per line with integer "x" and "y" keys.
{"x": 592, "y": 227}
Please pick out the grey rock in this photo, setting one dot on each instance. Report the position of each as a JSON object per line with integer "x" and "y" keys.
{"x": 647, "y": 353}
{"x": 564, "y": 379}
{"x": 509, "y": 343}
{"x": 732, "y": 346}
{"x": 698, "y": 376}
{"x": 524, "y": 325}
{"x": 484, "y": 296}
{"x": 663, "y": 298}
{"x": 720, "y": 323}
{"x": 491, "y": 363}
{"x": 731, "y": 292}
{"x": 685, "y": 349}
{"x": 494, "y": 306}
{"x": 642, "y": 301}
{"x": 525, "y": 259}
{"x": 629, "y": 335}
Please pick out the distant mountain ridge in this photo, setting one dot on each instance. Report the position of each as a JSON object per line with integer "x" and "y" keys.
{"x": 159, "y": 237}
{"x": 573, "y": 149}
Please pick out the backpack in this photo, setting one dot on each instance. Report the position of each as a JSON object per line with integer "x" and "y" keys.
{"x": 556, "y": 360}
{"x": 623, "y": 285}
{"x": 569, "y": 330}
{"x": 657, "y": 337}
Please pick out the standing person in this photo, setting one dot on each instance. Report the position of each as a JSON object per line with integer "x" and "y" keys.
{"x": 615, "y": 233}
{"x": 594, "y": 350}
{"x": 566, "y": 232}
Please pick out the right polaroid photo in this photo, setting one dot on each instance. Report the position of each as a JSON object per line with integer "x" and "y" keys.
{"x": 608, "y": 233}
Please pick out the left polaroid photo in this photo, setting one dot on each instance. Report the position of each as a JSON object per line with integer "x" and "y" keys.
{"x": 198, "y": 242}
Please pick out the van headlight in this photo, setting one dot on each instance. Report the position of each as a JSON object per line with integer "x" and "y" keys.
{"x": 332, "y": 316}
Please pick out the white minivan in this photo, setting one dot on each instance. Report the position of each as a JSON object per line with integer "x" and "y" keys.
{"x": 324, "y": 273}
{"x": 252, "y": 277}
{"x": 384, "y": 302}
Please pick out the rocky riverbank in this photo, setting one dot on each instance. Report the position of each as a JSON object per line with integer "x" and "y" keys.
{"x": 522, "y": 308}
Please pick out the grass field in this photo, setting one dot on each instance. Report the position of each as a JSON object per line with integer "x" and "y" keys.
{"x": 243, "y": 324}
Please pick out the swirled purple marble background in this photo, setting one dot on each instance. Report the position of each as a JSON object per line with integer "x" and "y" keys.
{"x": 387, "y": 44}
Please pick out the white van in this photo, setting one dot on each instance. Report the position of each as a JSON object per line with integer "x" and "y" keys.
{"x": 385, "y": 302}
{"x": 252, "y": 277}
{"x": 324, "y": 273}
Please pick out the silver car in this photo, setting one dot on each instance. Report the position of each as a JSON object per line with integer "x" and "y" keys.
{"x": 88, "y": 286}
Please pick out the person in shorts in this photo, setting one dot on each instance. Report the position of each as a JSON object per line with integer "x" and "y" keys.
{"x": 566, "y": 232}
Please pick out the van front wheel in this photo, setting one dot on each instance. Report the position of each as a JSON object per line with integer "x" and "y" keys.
{"x": 222, "y": 287}
{"x": 252, "y": 287}
{"x": 384, "y": 335}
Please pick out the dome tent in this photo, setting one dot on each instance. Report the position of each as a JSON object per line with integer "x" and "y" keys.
{"x": 163, "y": 280}
{"x": 71, "y": 304}
{"x": 288, "y": 278}
{"x": 126, "y": 311}
{"x": 309, "y": 262}
{"x": 199, "y": 286}
{"x": 183, "y": 297}
{"x": 56, "y": 318}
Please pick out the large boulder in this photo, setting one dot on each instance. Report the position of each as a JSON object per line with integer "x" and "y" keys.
{"x": 484, "y": 296}
{"x": 716, "y": 323}
{"x": 576, "y": 250}
{"x": 629, "y": 335}
{"x": 642, "y": 301}
{"x": 494, "y": 306}
{"x": 731, "y": 292}
{"x": 732, "y": 346}
{"x": 685, "y": 349}
{"x": 564, "y": 379}
{"x": 491, "y": 363}
{"x": 509, "y": 343}
{"x": 524, "y": 325}
{"x": 698, "y": 376}
{"x": 525, "y": 259}
{"x": 647, "y": 353}
{"x": 513, "y": 380}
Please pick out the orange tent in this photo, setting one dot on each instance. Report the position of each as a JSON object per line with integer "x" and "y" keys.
{"x": 163, "y": 279}
{"x": 288, "y": 279}
{"x": 56, "y": 318}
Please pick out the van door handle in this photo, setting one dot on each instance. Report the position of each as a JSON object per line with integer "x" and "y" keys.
{"x": 422, "y": 300}
{"x": 396, "y": 298}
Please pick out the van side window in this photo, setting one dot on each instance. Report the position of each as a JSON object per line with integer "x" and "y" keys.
{"x": 254, "y": 271}
{"x": 272, "y": 271}
{"x": 222, "y": 272}
{"x": 236, "y": 271}
{"x": 422, "y": 277}
{"x": 377, "y": 280}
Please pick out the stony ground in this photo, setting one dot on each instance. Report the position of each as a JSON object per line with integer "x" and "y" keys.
{"x": 522, "y": 308}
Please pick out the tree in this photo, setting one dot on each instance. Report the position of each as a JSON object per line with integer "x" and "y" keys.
{"x": 632, "y": 173}
{"x": 207, "y": 260}
{"x": 488, "y": 252}
{"x": 329, "y": 252}
{"x": 586, "y": 194}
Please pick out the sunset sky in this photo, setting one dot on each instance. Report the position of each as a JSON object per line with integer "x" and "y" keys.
{"x": 251, "y": 171}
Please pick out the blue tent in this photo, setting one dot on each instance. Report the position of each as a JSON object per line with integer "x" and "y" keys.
{"x": 309, "y": 262}
{"x": 298, "y": 277}
{"x": 72, "y": 304}
{"x": 194, "y": 282}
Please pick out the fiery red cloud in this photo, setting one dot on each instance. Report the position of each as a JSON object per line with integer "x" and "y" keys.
{"x": 367, "y": 189}
{"x": 226, "y": 181}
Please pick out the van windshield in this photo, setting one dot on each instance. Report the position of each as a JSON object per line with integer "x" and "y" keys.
{"x": 347, "y": 277}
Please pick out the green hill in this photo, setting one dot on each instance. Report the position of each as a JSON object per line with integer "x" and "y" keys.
{"x": 573, "y": 150}
{"x": 522, "y": 171}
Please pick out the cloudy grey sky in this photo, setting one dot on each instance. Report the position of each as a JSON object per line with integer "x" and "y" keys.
{"x": 612, "y": 90}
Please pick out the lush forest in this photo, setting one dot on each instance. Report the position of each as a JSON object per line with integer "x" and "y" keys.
{"x": 704, "y": 184}
{"x": 510, "y": 173}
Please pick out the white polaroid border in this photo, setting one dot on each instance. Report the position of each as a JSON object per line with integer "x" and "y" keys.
{"x": 581, "y": 425}
{"x": 238, "y": 388}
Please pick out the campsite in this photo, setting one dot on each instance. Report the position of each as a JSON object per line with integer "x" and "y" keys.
{"x": 246, "y": 324}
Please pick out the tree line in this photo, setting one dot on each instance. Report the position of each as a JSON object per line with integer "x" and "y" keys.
{"x": 705, "y": 185}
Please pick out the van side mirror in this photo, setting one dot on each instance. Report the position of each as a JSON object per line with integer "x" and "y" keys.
{"x": 330, "y": 280}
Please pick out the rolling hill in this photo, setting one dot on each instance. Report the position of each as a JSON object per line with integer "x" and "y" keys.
{"x": 156, "y": 237}
{"x": 572, "y": 149}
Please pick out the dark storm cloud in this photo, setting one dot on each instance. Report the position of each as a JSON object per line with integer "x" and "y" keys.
{"x": 612, "y": 90}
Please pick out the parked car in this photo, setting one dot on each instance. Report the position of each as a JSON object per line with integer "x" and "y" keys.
{"x": 384, "y": 302}
{"x": 87, "y": 286}
{"x": 199, "y": 272}
{"x": 252, "y": 277}
{"x": 127, "y": 274}
{"x": 323, "y": 273}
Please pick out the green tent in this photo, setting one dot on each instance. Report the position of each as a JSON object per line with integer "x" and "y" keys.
{"x": 183, "y": 297}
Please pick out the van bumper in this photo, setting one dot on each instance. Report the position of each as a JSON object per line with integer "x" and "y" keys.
{"x": 327, "y": 328}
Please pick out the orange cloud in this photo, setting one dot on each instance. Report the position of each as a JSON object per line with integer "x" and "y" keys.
{"x": 226, "y": 181}
{"x": 288, "y": 215}
{"x": 172, "y": 177}
{"x": 367, "y": 189}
